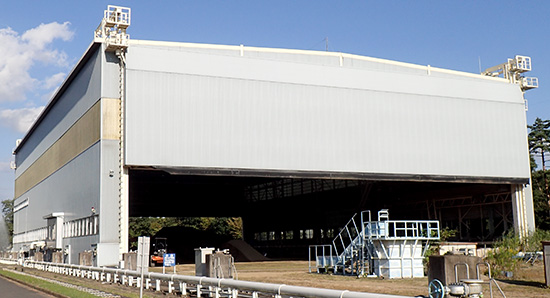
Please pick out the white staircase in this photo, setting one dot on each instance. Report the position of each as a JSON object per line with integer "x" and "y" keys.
{"x": 392, "y": 249}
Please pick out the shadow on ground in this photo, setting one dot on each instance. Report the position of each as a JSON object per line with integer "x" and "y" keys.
{"x": 526, "y": 283}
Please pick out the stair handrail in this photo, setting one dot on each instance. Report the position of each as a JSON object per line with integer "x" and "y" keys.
{"x": 363, "y": 224}
{"x": 491, "y": 279}
{"x": 352, "y": 240}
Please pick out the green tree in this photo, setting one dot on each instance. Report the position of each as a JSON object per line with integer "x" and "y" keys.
{"x": 502, "y": 257}
{"x": 148, "y": 226}
{"x": 7, "y": 211}
{"x": 539, "y": 143}
{"x": 231, "y": 226}
{"x": 539, "y": 139}
{"x": 540, "y": 200}
{"x": 235, "y": 225}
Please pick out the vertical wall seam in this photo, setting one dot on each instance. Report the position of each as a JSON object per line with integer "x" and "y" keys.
{"x": 121, "y": 174}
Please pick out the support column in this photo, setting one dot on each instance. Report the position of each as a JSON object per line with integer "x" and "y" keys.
{"x": 59, "y": 232}
{"x": 112, "y": 33}
{"x": 123, "y": 212}
{"x": 522, "y": 206}
{"x": 123, "y": 187}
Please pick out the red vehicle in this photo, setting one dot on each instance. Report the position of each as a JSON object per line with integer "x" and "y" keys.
{"x": 158, "y": 249}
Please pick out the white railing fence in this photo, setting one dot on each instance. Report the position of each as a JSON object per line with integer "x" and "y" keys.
{"x": 196, "y": 286}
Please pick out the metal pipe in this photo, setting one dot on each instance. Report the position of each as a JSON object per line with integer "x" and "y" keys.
{"x": 218, "y": 283}
{"x": 467, "y": 271}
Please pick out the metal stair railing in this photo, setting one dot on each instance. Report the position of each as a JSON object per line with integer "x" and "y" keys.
{"x": 323, "y": 257}
{"x": 344, "y": 238}
{"x": 404, "y": 229}
{"x": 350, "y": 240}
{"x": 491, "y": 280}
{"x": 368, "y": 249}
{"x": 361, "y": 242}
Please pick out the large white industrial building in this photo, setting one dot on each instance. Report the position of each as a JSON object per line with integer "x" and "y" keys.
{"x": 290, "y": 140}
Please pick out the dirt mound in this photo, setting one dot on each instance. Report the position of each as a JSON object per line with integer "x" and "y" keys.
{"x": 243, "y": 252}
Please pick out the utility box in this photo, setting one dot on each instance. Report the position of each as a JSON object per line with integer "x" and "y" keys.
{"x": 57, "y": 257}
{"x": 130, "y": 260}
{"x": 85, "y": 258}
{"x": 200, "y": 260}
{"x": 38, "y": 256}
{"x": 219, "y": 264}
{"x": 443, "y": 268}
{"x": 546, "y": 258}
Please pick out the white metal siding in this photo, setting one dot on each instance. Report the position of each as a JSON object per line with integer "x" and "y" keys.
{"x": 192, "y": 109}
{"x": 73, "y": 189}
{"x": 82, "y": 93}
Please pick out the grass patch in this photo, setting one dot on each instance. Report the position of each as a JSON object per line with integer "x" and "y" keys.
{"x": 45, "y": 285}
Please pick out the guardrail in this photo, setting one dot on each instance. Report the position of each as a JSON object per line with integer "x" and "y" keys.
{"x": 402, "y": 229}
{"x": 322, "y": 256}
{"x": 197, "y": 286}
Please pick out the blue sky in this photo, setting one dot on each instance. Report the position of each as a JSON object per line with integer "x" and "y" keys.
{"x": 40, "y": 41}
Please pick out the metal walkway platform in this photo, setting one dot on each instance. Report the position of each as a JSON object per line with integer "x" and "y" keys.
{"x": 388, "y": 248}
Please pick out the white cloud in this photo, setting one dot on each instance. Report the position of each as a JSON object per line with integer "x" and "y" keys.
{"x": 19, "y": 119}
{"x": 18, "y": 53}
{"x": 45, "y": 33}
{"x": 54, "y": 80}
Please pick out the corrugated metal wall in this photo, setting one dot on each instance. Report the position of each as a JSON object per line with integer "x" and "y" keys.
{"x": 215, "y": 109}
{"x": 81, "y": 94}
{"x": 65, "y": 163}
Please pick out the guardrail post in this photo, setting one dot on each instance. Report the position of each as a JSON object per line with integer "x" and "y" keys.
{"x": 170, "y": 287}
{"x": 211, "y": 288}
{"x": 183, "y": 288}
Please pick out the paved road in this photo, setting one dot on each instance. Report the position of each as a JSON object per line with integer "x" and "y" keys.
{"x": 9, "y": 289}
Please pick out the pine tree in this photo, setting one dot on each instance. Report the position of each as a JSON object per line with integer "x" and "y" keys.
{"x": 539, "y": 143}
{"x": 539, "y": 139}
